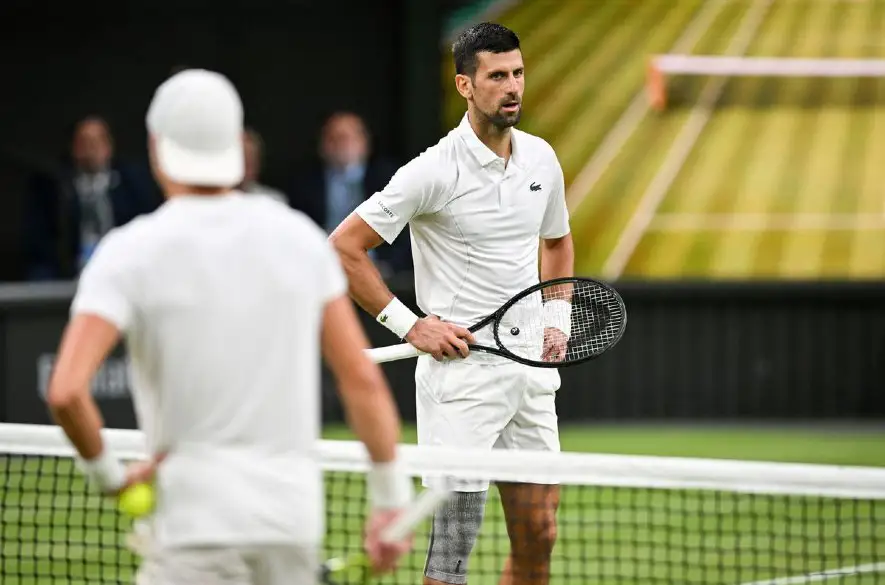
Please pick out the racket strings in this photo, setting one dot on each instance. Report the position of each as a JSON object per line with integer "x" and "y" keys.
{"x": 597, "y": 319}
{"x": 590, "y": 319}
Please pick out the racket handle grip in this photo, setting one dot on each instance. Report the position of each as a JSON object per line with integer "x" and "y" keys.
{"x": 423, "y": 507}
{"x": 392, "y": 353}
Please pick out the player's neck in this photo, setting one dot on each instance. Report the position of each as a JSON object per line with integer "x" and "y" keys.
{"x": 176, "y": 190}
{"x": 497, "y": 139}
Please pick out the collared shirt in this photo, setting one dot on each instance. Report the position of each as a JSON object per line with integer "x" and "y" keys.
{"x": 220, "y": 300}
{"x": 475, "y": 221}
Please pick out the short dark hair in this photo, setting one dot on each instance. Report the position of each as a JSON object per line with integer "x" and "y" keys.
{"x": 485, "y": 36}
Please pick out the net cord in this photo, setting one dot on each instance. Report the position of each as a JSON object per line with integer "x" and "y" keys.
{"x": 753, "y": 477}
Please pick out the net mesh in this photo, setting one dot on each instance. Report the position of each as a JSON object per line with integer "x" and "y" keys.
{"x": 624, "y": 520}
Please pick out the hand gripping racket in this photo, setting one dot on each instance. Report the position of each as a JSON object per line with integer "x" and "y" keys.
{"x": 357, "y": 568}
{"x": 555, "y": 323}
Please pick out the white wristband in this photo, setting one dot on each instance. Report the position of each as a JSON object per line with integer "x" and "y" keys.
{"x": 558, "y": 314}
{"x": 389, "y": 487}
{"x": 105, "y": 472}
{"x": 397, "y": 317}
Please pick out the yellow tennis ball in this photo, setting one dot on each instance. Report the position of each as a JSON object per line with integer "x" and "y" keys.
{"x": 137, "y": 500}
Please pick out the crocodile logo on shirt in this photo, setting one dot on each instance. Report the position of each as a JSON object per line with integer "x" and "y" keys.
{"x": 535, "y": 186}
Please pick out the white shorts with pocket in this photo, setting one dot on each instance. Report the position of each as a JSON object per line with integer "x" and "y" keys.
{"x": 252, "y": 565}
{"x": 481, "y": 404}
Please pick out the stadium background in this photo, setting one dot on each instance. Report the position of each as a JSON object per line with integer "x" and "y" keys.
{"x": 754, "y": 284}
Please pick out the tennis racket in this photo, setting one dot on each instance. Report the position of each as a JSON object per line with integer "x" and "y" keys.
{"x": 357, "y": 568}
{"x": 555, "y": 323}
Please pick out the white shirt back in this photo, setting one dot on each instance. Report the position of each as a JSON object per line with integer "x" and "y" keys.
{"x": 475, "y": 223}
{"x": 221, "y": 301}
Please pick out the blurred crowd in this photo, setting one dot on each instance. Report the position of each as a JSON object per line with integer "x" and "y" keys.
{"x": 68, "y": 211}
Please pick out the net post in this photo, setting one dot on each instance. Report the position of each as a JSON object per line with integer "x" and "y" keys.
{"x": 655, "y": 86}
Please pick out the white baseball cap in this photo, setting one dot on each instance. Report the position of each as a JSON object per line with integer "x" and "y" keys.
{"x": 196, "y": 119}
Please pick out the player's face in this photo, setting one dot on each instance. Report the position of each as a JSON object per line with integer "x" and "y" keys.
{"x": 498, "y": 85}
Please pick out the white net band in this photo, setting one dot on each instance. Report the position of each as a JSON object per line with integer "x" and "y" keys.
{"x": 532, "y": 467}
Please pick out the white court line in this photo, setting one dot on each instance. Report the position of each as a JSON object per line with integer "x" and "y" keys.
{"x": 681, "y": 149}
{"x": 823, "y": 575}
{"x": 686, "y": 222}
{"x": 629, "y": 121}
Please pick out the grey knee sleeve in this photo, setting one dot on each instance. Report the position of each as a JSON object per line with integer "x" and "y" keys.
{"x": 455, "y": 527}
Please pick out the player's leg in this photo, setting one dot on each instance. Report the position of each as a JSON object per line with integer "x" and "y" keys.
{"x": 530, "y": 513}
{"x": 457, "y": 405}
{"x": 186, "y": 566}
{"x": 452, "y": 538}
{"x": 530, "y": 509}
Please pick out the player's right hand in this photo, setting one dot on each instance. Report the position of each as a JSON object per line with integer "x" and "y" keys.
{"x": 440, "y": 339}
{"x": 384, "y": 555}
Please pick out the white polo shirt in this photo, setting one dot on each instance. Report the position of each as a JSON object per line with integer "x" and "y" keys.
{"x": 221, "y": 300}
{"x": 475, "y": 223}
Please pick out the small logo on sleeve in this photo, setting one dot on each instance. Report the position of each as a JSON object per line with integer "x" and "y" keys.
{"x": 383, "y": 318}
{"x": 386, "y": 209}
{"x": 535, "y": 186}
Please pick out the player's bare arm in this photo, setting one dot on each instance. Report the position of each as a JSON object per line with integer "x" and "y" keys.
{"x": 86, "y": 342}
{"x": 557, "y": 261}
{"x": 369, "y": 407}
{"x": 557, "y": 257}
{"x": 353, "y": 239}
{"x": 372, "y": 414}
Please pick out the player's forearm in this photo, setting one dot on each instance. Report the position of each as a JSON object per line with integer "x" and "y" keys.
{"x": 77, "y": 414}
{"x": 367, "y": 288}
{"x": 372, "y": 415}
{"x": 366, "y": 285}
{"x": 557, "y": 258}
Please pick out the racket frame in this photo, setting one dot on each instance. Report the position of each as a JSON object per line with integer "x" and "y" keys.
{"x": 406, "y": 350}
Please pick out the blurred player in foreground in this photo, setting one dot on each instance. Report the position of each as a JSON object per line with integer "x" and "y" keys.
{"x": 225, "y": 302}
{"x": 477, "y": 204}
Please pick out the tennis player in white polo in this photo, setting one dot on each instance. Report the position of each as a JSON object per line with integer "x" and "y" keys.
{"x": 479, "y": 204}
{"x": 226, "y": 302}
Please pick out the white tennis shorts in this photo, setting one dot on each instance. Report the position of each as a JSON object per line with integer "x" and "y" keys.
{"x": 258, "y": 565}
{"x": 482, "y": 405}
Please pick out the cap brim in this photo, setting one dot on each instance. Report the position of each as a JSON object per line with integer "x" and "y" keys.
{"x": 223, "y": 168}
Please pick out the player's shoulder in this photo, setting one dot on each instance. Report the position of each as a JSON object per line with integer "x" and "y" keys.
{"x": 295, "y": 222}
{"x": 438, "y": 164}
{"x": 132, "y": 235}
{"x": 441, "y": 157}
{"x": 535, "y": 148}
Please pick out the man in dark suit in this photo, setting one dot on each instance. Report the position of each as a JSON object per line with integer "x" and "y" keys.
{"x": 347, "y": 175}
{"x": 67, "y": 212}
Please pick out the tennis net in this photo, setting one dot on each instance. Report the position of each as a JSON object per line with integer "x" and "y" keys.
{"x": 622, "y": 519}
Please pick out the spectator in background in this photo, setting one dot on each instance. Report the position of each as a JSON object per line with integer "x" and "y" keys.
{"x": 346, "y": 175}
{"x": 69, "y": 210}
{"x": 253, "y": 150}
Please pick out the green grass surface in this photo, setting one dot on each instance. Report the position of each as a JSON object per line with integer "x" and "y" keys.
{"x": 783, "y": 182}
{"x": 53, "y": 531}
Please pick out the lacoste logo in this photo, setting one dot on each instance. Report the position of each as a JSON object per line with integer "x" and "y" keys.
{"x": 383, "y": 318}
{"x": 386, "y": 210}
{"x": 535, "y": 187}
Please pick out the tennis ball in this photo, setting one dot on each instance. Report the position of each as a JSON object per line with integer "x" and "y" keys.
{"x": 137, "y": 500}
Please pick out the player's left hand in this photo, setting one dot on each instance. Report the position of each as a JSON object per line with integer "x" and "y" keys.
{"x": 141, "y": 472}
{"x": 555, "y": 345}
{"x": 384, "y": 556}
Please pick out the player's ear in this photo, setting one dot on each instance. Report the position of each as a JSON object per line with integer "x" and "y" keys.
{"x": 464, "y": 85}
